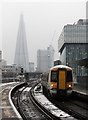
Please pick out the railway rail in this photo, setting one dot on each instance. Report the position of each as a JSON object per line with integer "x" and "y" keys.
{"x": 25, "y": 104}
{"x": 46, "y": 112}
{"x": 30, "y": 108}
{"x": 73, "y": 105}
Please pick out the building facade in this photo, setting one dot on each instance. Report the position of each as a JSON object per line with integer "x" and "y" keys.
{"x": 10, "y": 70}
{"x": 0, "y": 66}
{"x": 72, "y": 46}
{"x": 45, "y": 59}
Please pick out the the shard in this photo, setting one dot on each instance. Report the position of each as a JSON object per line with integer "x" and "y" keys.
{"x": 21, "y": 53}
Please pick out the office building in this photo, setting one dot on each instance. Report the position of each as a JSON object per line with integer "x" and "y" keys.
{"x": 45, "y": 59}
{"x": 72, "y": 46}
{"x": 10, "y": 70}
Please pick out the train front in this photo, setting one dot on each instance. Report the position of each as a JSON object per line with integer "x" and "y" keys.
{"x": 61, "y": 80}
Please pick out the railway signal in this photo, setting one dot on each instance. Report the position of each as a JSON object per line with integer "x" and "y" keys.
{"x": 22, "y": 70}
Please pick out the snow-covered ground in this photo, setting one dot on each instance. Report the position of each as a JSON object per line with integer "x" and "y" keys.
{"x": 3, "y": 84}
{"x": 49, "y": 106}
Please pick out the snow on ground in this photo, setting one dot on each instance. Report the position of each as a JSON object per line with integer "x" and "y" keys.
{"x": 3, "y": 84}
{"x": 49, "y": 106}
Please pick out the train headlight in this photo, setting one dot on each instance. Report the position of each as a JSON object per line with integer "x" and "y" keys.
{"x": 52, "y": 85}
{"x": 70, "y": 86}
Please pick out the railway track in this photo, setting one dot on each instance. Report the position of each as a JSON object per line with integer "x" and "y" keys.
{"x": 25, "y": 104}
{"x": 30, "y": 108}
{"x": 76, "y": 106}
{"x": 27, "y": 108}
{"x": 73, "y": 105}
{"x": 41, "y": 107}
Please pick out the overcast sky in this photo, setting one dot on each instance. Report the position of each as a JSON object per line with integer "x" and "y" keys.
{"x": 44, "y": 22}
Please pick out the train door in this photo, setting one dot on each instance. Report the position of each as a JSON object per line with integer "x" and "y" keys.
{"x": 61, "y": 79}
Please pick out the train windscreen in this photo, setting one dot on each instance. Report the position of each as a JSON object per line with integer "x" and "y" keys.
{"x": 54, "y": 76}
{"x": 69, "y": 76}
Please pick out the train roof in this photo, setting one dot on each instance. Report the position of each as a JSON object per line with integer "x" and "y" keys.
{"x": 60, "y": 66}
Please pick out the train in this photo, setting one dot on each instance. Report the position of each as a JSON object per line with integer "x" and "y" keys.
{"x": 57, "y": 81}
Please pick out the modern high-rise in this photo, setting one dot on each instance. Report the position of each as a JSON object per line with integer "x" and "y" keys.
{"x": 72, "y": 46}
{"x": 45, "y": 59}
{"x": 21, "y": 53}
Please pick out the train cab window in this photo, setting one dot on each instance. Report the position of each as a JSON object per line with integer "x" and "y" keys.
{"x": 69, "y": 76}
{"x": 54, "y": 76}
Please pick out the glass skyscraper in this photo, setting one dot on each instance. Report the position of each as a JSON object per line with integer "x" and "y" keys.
{"x": 21, "y": 53}
{"x": 72, "y": 46}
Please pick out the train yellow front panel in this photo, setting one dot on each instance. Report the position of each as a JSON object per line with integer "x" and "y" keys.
{"x": 61, "y": 79}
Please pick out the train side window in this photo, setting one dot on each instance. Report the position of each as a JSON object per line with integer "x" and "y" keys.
{"x": 69, "y": 76}
{"x": 53, "y": 76}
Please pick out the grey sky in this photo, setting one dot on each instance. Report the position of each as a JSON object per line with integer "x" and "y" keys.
{"x": 43, "y": 21}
